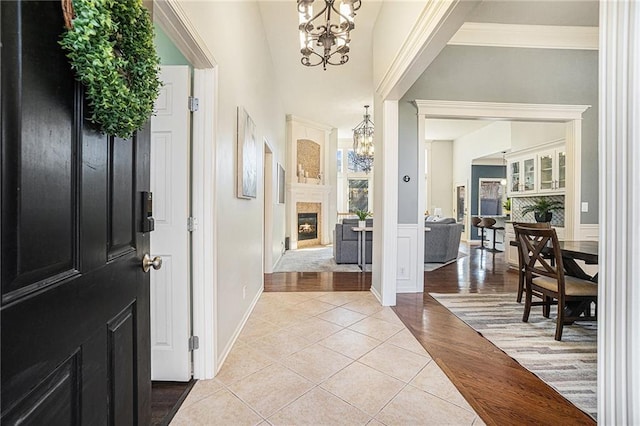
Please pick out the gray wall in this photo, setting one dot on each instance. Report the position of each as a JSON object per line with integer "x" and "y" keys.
{"x": 496, "y": 74}
{"x": 407, "y": 162}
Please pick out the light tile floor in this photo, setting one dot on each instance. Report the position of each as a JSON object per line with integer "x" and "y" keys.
{"x": 320, "y": 358}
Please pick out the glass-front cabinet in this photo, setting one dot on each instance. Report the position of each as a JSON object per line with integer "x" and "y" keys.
{"x": 532, "y": 171}
{"x": 522, "y": 175}
{"x": 552, "y": 166}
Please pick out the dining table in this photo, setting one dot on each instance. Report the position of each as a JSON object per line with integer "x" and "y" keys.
{"x": 573, "y": 250}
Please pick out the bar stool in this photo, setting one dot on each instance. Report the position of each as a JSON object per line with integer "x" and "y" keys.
{"x": 490, "y": 224}
{"x": 487, "y": 223}
{"x": 477, "y": 222}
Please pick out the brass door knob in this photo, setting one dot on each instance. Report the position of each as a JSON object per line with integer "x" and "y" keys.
{"x": 148, "y": 263}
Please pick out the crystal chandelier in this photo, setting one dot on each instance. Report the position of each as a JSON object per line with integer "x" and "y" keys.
{"x": 363, "y": 143}
{"x": 328, "y": 29}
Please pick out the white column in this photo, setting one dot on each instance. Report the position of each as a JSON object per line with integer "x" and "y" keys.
{"x": 619, "y": 150}
{"x": 385, "y": 214}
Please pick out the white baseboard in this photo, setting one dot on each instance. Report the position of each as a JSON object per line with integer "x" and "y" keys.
{"x": 376, "y": 294}
{"x": 236, "y": 333}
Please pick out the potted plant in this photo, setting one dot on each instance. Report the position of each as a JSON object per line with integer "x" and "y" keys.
{"x": 362, "y": 217}
{"x": 543, "y": 208}
{"x": 507, "y": 206}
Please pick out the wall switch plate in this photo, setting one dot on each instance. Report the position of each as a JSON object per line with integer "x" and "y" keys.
{"x": 585, "y": 207}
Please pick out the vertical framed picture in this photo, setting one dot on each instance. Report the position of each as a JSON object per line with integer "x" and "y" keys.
{"x": 247, "y": 156}
{"x": 281, "y": 185}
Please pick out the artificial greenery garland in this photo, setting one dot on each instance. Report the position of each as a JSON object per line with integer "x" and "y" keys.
{"x": 110, "y": 46}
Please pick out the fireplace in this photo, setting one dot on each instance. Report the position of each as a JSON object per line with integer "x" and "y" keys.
{"x": 307, "y": 226}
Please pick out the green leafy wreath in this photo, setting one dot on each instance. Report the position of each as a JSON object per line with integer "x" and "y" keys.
{"x": 109, "y": 44}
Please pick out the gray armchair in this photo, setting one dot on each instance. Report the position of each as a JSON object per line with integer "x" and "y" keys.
{"x": 442, "y": 242}
{"x": 345, "y": 243}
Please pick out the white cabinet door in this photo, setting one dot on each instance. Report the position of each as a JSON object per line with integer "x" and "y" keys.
{"x": 551, "y": 171}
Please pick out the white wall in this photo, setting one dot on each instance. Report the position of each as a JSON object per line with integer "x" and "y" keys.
{"x": 525, "y": 135}
{"x": 495, "y": 137}
{"x": 234, "y": 33}
{"x": 439, "y": 165}
{"x": 395, "y": 20}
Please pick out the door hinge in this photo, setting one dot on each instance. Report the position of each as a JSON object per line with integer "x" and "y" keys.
{"x": 194, "y": 343}
{"x": 194, "y": 103}
{"x": 192, "y": 224}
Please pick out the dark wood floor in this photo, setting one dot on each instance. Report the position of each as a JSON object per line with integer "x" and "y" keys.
{"x": 498, "y": 388}
{"x": 166, "y": 398}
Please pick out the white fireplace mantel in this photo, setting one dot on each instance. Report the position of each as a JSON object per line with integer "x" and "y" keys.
{"x": 308, "y": 193}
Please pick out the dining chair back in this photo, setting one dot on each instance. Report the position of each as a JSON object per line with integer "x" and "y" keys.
{"x": 546, "y": 279}
{"x": 538, "y": 225}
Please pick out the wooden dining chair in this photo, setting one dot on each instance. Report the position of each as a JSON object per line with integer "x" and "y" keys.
{"x": 573, "y": 296}
{"x": 539, "y": 225}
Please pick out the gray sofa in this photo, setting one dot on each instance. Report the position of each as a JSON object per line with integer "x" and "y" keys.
{"x": 441, "y": 243}
{"x": 345, "y": 242}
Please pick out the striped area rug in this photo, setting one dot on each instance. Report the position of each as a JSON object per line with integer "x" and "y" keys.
{"x": 568, "y": 366}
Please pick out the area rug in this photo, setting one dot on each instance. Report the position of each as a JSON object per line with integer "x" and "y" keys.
{"x": 569, "y": 366}
{"x": 313, "y": 259}
{"x": 428, "y": 267}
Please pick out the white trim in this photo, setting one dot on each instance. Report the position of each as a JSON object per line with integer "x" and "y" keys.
{"x": 419, "y": 277}
{"x": 182, "y": 33}
{"x": 500, "y": 110}
{"x": 619, "y": 211}
{"x": 234, "y": 337}
{"x": 526, "y": 36}
{"x": 267, "y": 211}
{"x": 571, "y": 114}
{"x": 376, "y": 294}
{"x": 172, "y": 19}
{"x": 439, "y": 20}
{"x": 309, "y": 123}
{"x": 203, "y": 238}
{"x": 408, "y": 264}
{"x": 589, "y": 232}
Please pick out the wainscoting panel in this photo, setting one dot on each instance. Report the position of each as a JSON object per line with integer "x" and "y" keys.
{"x": 407, "y": 257}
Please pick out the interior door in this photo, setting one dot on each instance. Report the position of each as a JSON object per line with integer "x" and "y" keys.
{"x": 460, "y": 209}
{"x": 170, "y": 184}
{"x": 74, "y": 297}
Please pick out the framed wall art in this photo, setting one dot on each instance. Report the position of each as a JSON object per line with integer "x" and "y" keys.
{"x": 247, "y": 156}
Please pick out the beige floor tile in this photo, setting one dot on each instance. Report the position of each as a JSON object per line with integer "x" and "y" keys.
{"x": 338, "y": 298}
{"x": 362, "y": 386}
{"x": 317, "y": 363}
{"x": 433, "y": 380}
{"x": 264, "y": 307}
{"x": 284, "y": 317}
{"x": 319, "y": 407}
{"x": 256, "y": 328}
{"x": 201, "y": 390}
{"x": 270, "y": 389}
{"x": 387, "y": 314}
{"x": 376, "y": 328}
{"x": 314, "y": 329}
{"x": 374, "y": 422}
{"x": 478, "y": 422}
{"x": 365, "y": 307}
{"x": 341, "y": 316}
{"x": 350, "y": 343}
{"x": 413, "y": 406}
{"x": 279, "y": 345}
{"x": 221, "y": 408}
{"x": 314, "y": 307}
{"x": 288, "y": 298}
{"x": 407, "y": 341}
{"x": 241, "y": 362}
{"x": 394, "y": 361}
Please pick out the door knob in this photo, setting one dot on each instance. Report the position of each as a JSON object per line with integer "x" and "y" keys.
{"x": 148, "y": 263}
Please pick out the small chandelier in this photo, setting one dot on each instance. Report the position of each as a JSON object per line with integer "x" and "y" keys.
{"x": 363, "y": 143}
{"x": 331, "y": 35}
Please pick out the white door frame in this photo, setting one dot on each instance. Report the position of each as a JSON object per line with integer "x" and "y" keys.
{"x": 569, "y": 114}
{"x": 170, "y": 16}
{"x": 268, "y": 170}
{"x": 456, "y": 185}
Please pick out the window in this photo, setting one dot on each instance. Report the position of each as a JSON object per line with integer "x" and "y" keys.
{"x": 339, "y": 161}
{"x": 352, "y": 166}
{"x": 358, "y": 194}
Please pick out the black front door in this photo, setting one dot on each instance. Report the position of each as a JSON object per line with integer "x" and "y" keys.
{"x": 75, "y": 300}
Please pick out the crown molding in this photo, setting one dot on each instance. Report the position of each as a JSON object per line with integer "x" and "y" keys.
{"x": 437, "y": 22}
{"x": 526, "y": 36}
{"x": 309, "y": 123}
{"x": 501, "y": 111}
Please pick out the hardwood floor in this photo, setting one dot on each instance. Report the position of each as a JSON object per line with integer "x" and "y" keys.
{"x": 166, "y": 398}
{"x": 498, "y": 388}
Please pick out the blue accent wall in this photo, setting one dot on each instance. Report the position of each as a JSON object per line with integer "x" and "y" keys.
{"x": 477, "y": 172}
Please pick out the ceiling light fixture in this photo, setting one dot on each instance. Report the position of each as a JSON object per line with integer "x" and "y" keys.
{"x": 363, "y": 143}
{"x": 331, "y": 33}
